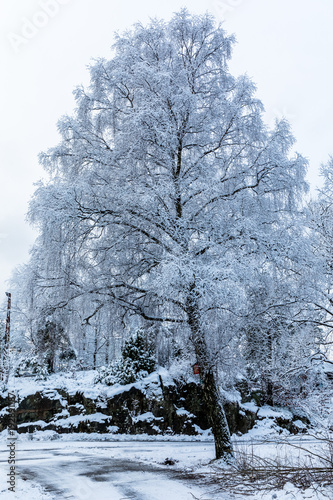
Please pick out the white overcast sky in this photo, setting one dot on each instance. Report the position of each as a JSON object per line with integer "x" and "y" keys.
{"x": 285, "y": 46}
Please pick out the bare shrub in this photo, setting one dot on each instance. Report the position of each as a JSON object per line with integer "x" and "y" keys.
{"x": 304, "y": 464}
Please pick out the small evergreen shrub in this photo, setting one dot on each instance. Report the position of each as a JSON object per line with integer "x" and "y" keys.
{"x": 136, "y": 362}
{"x": 139, "y": 352}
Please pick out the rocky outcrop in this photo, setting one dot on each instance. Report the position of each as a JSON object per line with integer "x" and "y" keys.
{"x": 155, "y": 408}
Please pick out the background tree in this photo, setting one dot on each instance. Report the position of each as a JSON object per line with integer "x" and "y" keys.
{"x": 166, "y": 193}
{"x": 280, "y": 337}
{"x": 320, "y": 216}
{"x": 51, "y": 341}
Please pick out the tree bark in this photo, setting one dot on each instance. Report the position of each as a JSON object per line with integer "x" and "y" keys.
{"x": 215, "y": 411}
{"x": 216, "y": 414}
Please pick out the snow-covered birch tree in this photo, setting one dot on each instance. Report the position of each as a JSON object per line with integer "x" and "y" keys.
{"x": 170, "y": 189}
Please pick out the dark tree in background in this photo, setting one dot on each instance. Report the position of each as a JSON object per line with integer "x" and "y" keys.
{"x": 50, "y": 341}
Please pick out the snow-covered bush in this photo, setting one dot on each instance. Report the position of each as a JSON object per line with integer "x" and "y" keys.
{"x": 137, "y": 362}
{"x": 181, "y": 370}
{"x": 31, "y": 366}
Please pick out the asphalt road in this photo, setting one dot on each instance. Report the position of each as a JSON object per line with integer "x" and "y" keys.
{"x": 81, "y": 474}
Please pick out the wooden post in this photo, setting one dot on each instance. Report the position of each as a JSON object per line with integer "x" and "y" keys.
{"x": 9, "y": 306}
{"x": 5, "y": 351}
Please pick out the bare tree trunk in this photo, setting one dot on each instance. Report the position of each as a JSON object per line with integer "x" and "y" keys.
{"x": 95, "y": 349}
{"x": 269, "y": 383}
{"x": 83, "y": 346}
{"x": 215, "y": 411}
{"x": 269, "y": 392}
{"x": 107, "y": 348}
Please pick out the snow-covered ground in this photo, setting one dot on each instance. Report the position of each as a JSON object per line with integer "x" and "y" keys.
{"x": 121, "y": 470}
{"x": 83, "y": 381}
